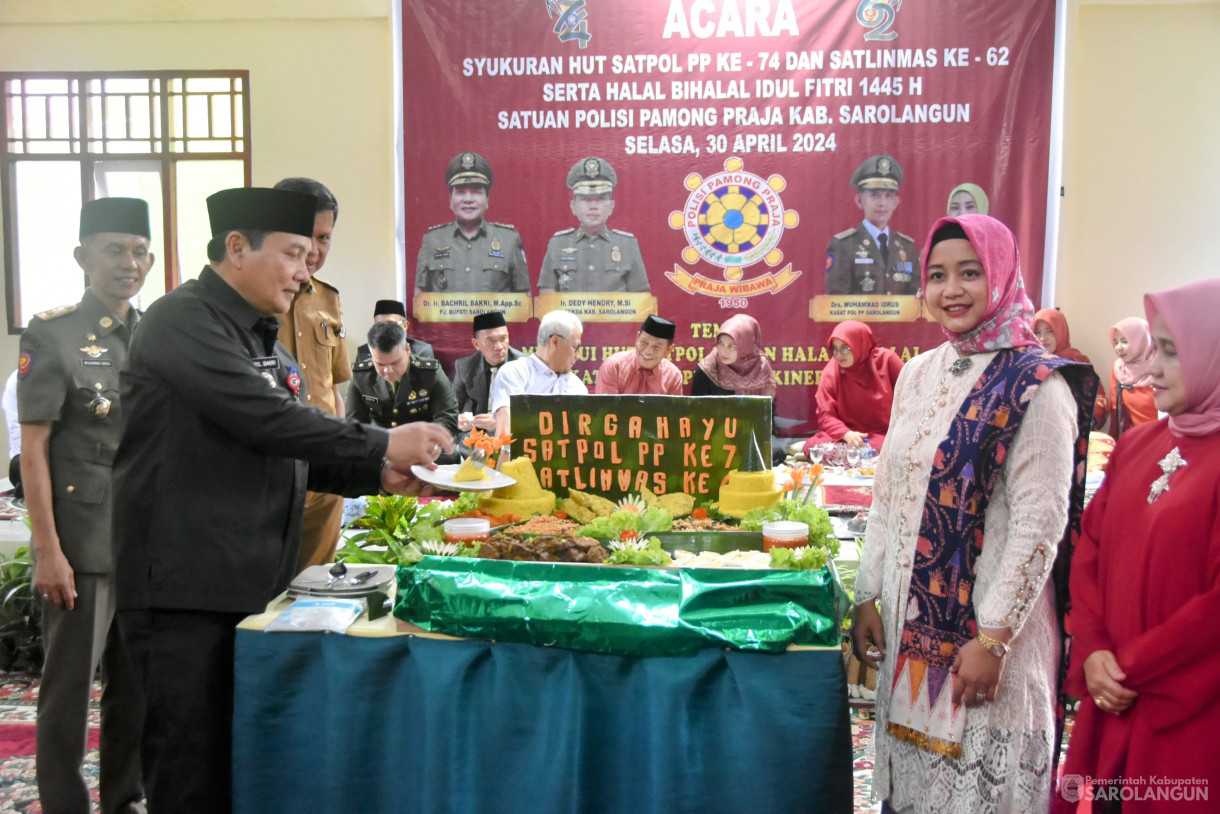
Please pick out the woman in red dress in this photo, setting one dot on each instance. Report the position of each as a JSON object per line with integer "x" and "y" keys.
{"x": 856, "y": 392}
{"x": 1146, "y": 587}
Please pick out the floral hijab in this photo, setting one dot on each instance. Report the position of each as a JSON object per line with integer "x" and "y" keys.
{"x": 1008, "y": 321}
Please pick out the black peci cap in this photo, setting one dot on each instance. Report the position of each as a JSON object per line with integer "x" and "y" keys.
{"x": 389, "y": 307}
{"x": 126, "y": 216}
{"x": 492, "y": 319}
{"x": 263, "y": 210}
{"x": 660, "y": 328}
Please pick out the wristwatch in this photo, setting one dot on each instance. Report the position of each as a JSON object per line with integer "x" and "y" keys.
{"x": 996, "y": 647}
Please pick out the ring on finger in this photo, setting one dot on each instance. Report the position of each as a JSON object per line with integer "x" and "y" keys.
{"x": 1098, "y": 699}
{"x": 435, "y": 450}
{"x": 980, "y": 696}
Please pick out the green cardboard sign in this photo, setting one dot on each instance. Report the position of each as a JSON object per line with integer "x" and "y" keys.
{"x": 614, "y": 445}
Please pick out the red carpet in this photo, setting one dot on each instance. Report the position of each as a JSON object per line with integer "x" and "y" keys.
{"x": 18, "y": 711}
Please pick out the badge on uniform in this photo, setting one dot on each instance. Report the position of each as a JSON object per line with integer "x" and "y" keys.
{"x": 105, "y": 322}
{"x": 495, "y": 244}
{"x": 615, "y": 255}
{"x": 23, "y": 364}
{"x": 294, "y": 382}
{"x": 270, "y": 379}
{"x": 868, "y": 284}
{"x": 99, "y": 408}
{"x": 564, "y": 281}
{"x": 441, "y": 253}
{"x": 94, "y": 351}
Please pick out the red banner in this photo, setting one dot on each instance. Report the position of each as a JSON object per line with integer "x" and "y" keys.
{"x": 734, "y": 128}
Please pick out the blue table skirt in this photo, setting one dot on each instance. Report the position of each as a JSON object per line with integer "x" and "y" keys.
{"x": 332, "y": 724}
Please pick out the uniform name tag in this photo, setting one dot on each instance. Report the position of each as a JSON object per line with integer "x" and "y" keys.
{"x": 567, "y": 258}
{"x": 371, "y": 400}
{"x": 96, "y": 363}
{"x": 440, "y": 254}
{"x": 864, "y": 259}
{"x": 266, "y": 363}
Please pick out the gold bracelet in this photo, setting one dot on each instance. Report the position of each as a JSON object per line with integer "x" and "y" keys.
{"x": 996, "y": 647}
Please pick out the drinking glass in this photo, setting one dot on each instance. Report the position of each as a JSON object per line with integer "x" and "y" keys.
{"x": 816, "y": 453}
{"x": 853, "y": 457}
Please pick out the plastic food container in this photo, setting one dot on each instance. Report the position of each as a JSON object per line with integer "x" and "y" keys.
{"x": 784, "y": 534}
{"x": 465, "y": 529}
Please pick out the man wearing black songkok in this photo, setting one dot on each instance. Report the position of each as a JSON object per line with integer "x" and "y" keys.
{"x": 210, "y": 482}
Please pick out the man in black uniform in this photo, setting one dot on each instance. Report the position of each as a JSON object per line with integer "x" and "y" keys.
{"x": 210, "y": 480}
{"x": 473, "y": 374}
{"x": 872, "y": 258}
{"x": 394, "y": 311}
{"x": 68, "y": 400}
{"x": 395, "y": 387}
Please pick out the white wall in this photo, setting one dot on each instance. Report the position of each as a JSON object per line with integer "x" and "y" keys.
{"x": 321, "y": 100}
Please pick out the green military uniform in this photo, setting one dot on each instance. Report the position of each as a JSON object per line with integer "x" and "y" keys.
{"x": 854, "y": 264}
{"x": 609, "y": 261}
{"x": 68, "y": 376}
{"x": 422, "y": 394}
{"x": 493, "y": 260}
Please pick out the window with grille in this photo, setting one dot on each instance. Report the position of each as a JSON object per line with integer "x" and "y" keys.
{"x": 169, "y": 137}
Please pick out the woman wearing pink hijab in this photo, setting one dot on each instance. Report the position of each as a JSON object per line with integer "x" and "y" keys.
{"x": 961, "y": 589}
{"x": 1131, "y": 401}
{"x": 737, "y": 366}
{"x": 1146, "y": 583}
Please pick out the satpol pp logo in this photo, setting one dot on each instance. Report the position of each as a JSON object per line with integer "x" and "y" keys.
{"x": 733, "y": 220}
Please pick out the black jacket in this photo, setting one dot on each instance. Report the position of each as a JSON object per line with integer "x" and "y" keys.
{"x": 211, "y": 472}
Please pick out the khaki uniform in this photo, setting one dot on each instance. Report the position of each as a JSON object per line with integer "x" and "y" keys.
{"x": 854, "y": 264}
{"x": 422, "y": 394}
{"x": 492, "y": 261}
{"x": 68, "y": 376}
{"x": 313, "y": 331}
{"x": 608, "y": 261}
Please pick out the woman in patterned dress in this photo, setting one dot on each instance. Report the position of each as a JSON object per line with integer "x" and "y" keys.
{"x": 978, "y": 482}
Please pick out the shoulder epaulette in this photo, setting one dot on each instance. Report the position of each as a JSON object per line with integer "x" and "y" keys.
{"x": 362, "y": 364}
{"x": 907, "y": 238}
{"x": 56, "y": 313}
{"x": 846, "y": 233}
{"x": 502, "y": 225}
{"x": 439, "y": 226}
{"x": 327, "y": 283}
{"x": 424, "y": 363}
{"x": 563, "y": 232}
{"x": 621, "y": 232}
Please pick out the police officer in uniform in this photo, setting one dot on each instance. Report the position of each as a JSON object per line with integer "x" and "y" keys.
{"x": 393, "y": 311}
{"x": 68, "y": 400}
{"x": 470, "y": 254}
{"x": 872, "y": 258}
{"x": 395, "y": 387}
{"x": 592, "y": 256}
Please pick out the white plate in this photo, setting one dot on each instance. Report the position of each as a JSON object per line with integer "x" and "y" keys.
{"x": 442, "y": 477}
